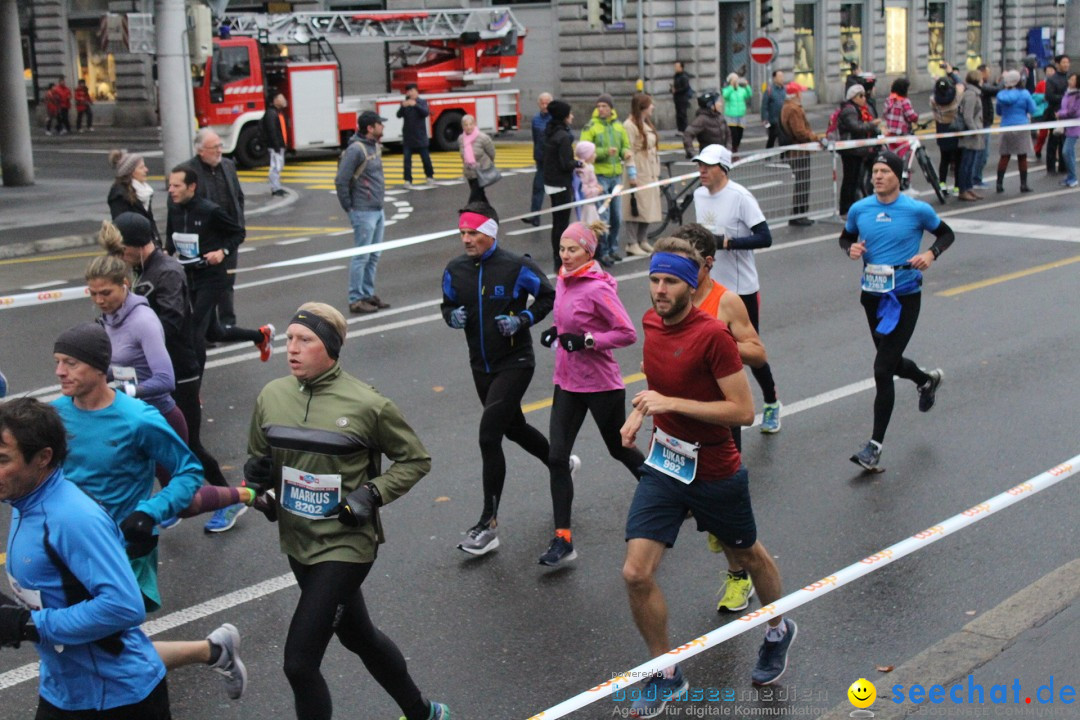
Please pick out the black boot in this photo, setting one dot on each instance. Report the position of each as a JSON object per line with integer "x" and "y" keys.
{"x": 1001, "y": 181}
{"x": 1023, "y": 182}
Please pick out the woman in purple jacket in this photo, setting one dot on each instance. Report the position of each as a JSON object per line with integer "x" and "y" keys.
{"x": 1070, "y": 109}
{"x": 590, "y": 321}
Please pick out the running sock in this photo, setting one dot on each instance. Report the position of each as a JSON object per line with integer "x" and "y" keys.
{"x": 669, "y": 672}
{"x": 565, "y": 534}
{"x": 739, "y": 574}
{"x": 776, "y": 633}
{"x": 215, "y": 654}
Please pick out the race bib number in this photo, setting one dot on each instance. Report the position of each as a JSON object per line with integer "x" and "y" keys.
{"x": 29, "y": 599}
{"x": 878, "y": 278}
{"x": 123, "y": 374}
{"x": 308, "y": 495}
{"x": 187, "y": 244}
{"x": 673, "y": 457}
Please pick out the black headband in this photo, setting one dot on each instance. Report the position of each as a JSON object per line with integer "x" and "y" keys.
{"x": 322, "y": 329}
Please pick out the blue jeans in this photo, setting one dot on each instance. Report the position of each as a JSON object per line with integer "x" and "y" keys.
{"x": 981, "y": 160}
{"x": 425, "y": 156}
{"x": 368, "y": 227}
{"x": 965, "y": 176}
{"x": 537, "y": 191}
{"x": 609, "y": 243}
{"x": 1069, "y": 155}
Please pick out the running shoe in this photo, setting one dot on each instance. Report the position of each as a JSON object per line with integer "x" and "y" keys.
{"x": 773, "y": 656}
{"x": 559, "y": 551}
{"x": 480, "y": 540}
{"x": 224, "y": 519}
{"x": 170, "y": 523}
{"x": 657, "y": 693}
{"x": 928, "y": 392}
{"x": 575, "y": 465}
{"x": 229, "y": 664}
{"x": 438, "y": 712}
{"x": 266, "y": 345}
{"x": 869, "y": 456}
{"x": 736, "y": 593}
{"x": 770, "y": 418}
{"x": 3, "y": 385}
{"x": 714, "y": 543}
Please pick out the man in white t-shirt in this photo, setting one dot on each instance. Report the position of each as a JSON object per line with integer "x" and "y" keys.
{"x": 730, "y": 211}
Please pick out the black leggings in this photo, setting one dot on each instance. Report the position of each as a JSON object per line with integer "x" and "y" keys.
{"x": 206, "y": 293}
{"x": 890, "y": 358}
{"x": 476, "y": 193}
{"x": 186, "y": 396}
{"x": 560, "y": 220}
{"x": 331, "y": 602}
{"x": 736, "y": 137}
{"x": 154, "y": 706}
{"x": 501, "y": 394}
{"x": 850, "y": 190}
{"x": 949, "y": 157}
{"x": 568, "y": 410}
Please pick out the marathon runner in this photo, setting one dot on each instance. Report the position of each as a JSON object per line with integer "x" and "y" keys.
{"x": 486, "y": 293}
{"x": 696, "y": 392}
{"x": 316, "y": 441}
{"x": 885, "y": 232}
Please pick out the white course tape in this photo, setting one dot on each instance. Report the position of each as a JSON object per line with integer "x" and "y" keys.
{"x": 815, "y": 590}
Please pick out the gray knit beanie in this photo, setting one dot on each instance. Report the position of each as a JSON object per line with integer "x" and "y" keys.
{"x": 87, "y": 342}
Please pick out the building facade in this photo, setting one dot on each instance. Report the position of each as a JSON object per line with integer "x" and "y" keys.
{"x": 816, "y": 42}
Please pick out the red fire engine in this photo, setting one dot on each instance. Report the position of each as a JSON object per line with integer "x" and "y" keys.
{"x": 465, "y": 54}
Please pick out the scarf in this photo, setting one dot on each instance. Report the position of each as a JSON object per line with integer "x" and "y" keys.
{"x": 467, "y": 140}
{"x": 143, "y": 192}
{"x": 865, "y": 115}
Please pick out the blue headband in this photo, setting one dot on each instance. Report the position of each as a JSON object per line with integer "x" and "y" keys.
{"x": 681, "y": 267}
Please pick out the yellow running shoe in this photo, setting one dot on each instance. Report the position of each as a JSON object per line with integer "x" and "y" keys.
{"x": 735, "y": 594}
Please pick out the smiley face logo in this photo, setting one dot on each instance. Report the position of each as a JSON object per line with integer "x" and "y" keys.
{"x": 862, "y": 693}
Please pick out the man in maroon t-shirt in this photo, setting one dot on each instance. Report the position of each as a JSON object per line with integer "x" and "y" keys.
{"x": 692, "y": 464}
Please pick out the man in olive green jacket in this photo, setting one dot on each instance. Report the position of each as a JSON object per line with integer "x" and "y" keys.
{"x": 612, "y": 148}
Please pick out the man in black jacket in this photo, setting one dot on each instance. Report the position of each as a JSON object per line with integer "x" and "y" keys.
{"x": 275, "y": 134}
{"x": 1056, "y": 86}
{"x": 681, "y": 94}
{"x": 558, "y": 167}
{"x": 414, "y": 135}
{"x": 486, "y": 293}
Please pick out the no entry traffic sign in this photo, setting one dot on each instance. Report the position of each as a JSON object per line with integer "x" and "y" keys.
{"x": 762, "y": 50}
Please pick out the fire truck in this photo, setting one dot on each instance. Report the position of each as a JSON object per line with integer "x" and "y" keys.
{"x": 466, "y": 55}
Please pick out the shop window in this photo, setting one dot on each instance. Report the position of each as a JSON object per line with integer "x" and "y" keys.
{"x": 974, "y": 34}
{"x": 804, "y": 45}
{"x": 95, "y": 66}
{"x": 851, "y": 37}
{"x": 935, "y": 27}
{"x": 896, "y": 40}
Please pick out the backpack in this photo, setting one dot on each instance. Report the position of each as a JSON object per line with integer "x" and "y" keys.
{"x": 832, "y": 133}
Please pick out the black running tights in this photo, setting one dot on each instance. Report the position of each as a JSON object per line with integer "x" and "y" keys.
{"x": 186, "y": 396}
{"x": 890, "y": 358}
{"x": 568, "y": 410}
{"x": 501, "y": 394}
{"x": 331, "y": 603}
{"x": 763, "y": 374}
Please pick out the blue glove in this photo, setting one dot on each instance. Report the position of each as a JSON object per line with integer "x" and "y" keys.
{"x": 457, "y": 318}
{"x": 510, "y": 324}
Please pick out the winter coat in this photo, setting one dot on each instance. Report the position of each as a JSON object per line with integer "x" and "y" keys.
{"x": 587, "y": 301}
{"x": 989, "y": 92}
{"x": 735, "y": 99}
{"x": 221, "y": 185}
{"x": 772, "y": 102}
{"x": 414, "y": 124}
{"x": 1056, "y": 86}
{"x": 367, "y": 192}
{"x": 120, "y": 203}
{"x": 63, "y": 96}
{"x": 558, "y": 160}
{"x": 483, "y": 149}
{"x": 971, "y": 112}
{"x": 539, "y": 126}
{"x": 1070, "y": 110}
{"x": 1014, "y": 106}
{"x": 164, "y": 285}
{"x": 647, "y": 163}
{"x": 709, "y": 128}
{"x": 607, "y": 134}
{"x": 83, "y": 101}
{"x": 853, "y": 127}
{"x": 271, "y": 129}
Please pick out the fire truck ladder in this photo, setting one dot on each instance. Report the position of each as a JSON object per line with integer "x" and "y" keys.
{"x": 300, "y": 28}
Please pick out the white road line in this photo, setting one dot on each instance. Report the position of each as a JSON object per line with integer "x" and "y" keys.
{"x": 294, "y": 241}
{"x": 526, "y": 231}
{"x": 38, "y": 286}
{"x": 246, "y": 250}
{"x": 340, "y": 232}
{"x": 1016, "y": 230}
{"x": 236, "y": 598}
{"x": 270, "y": 281}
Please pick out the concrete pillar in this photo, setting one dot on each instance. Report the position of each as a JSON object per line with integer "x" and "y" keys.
{"x": 15, "y": 149}
{"x": 1072, "y": 30}
{"x": 174, "y": 82}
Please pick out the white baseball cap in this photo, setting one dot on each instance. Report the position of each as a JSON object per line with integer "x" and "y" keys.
{"x": 715, "y": 155}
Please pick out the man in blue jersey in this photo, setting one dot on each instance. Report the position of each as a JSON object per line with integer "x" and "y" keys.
{"x": 885, "y": 231}
{"x": 76, "y": 598}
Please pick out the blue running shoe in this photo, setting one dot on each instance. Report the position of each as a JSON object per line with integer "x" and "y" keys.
{"x": 438, "y": 712}
{"x": 225, "y": 518}
{"x": 657, "y": 693}
{"x": 170, "y": 523}
{"x": 770, "y": 418}
{"x": 772, "y": 656}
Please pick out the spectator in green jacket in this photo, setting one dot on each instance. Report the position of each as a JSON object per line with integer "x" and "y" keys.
{"x": 612, "y": 149}
{"x": 737, "y": 94}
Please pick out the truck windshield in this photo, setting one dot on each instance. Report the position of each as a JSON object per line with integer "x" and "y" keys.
{"x": 229, "y": 65}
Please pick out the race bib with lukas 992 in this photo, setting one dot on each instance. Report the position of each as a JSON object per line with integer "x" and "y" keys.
{"x": 674, "y": 457}
{"x": 309, "y": 495}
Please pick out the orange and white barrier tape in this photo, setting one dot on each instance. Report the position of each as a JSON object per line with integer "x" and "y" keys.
{"x": 815, "y": 590}
{"x": 42, "y": 297}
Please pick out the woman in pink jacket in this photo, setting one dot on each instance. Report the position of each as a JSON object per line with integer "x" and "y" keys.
{"x": 590, "y": 321}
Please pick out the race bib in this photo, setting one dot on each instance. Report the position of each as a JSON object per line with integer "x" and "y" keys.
{"x": 29, "y": 599}
{"x": 187, "y": 244}
{"x": 123, "y": 374}
{"x": 308, "y": 495}
{"x": 878, "y": 278}
{"x": 673, "y": 457}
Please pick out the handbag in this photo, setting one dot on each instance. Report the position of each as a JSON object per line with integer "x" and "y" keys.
{"x": 486, "y": 176}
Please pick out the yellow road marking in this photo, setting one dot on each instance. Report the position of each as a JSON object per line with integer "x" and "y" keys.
{"x": 545, "y": 403}
{"x": 1006, "y": 277}
{"x": 68, "y": 256}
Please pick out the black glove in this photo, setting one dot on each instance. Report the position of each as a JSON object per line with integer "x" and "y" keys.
{"x": 138, "y": 529}
{"x": 267, "y": 504}
{"x": 571, "y": 342}
{"x": 549, "y": 336}
{"x": 259, "y": 473}
{"x": 14, "y": 623}
{"x": 358, "y": 507}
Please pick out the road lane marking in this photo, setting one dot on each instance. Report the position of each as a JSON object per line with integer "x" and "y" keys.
{"x": 951, "y": 292}
{"x": 293, "y": 241}
{"x": 39, "y": 286}
{"x": 1017, "y": 230}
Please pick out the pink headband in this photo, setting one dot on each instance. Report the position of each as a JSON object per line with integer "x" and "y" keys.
{"x": 583, "y": 236}
{"x": 476, "y": 221}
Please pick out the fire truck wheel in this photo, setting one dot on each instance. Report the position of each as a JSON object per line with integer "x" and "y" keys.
{"x": 447, "y": 130}
{"x": 250, "y": 149}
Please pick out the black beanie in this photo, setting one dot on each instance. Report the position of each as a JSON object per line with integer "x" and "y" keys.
{"x": 134, "y": 229}
{"x": 87, "y": 342}
{"x": 892, "y": 160}
{"x": 558, "y": 110}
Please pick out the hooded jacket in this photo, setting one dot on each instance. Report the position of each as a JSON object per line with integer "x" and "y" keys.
{"x": 558, "y": 156}
{"x": 1015, "y": 106}
{"x": 1070, "y": 109}
{"x": 709, "y": 128}
{"x": 138, "y": 341}
{"x": 607, "y": 134}
{"x": 587, "y": 301}
{"x": 367, "y": 192}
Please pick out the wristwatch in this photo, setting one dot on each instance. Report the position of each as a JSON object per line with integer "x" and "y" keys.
{"x": 590, "y": 342}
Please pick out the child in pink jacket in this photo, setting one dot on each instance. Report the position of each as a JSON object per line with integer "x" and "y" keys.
{"x": 585, "y": 183}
